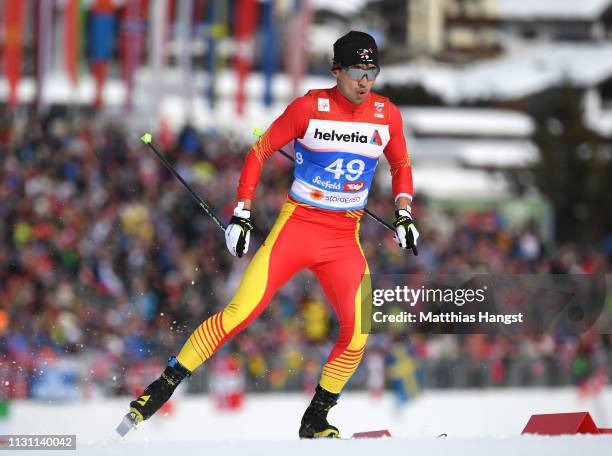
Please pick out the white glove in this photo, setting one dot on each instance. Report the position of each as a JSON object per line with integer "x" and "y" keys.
{"x": 406, "y": 234}
{"x": 238, "y": 232}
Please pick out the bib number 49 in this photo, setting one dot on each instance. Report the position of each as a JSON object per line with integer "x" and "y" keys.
{"x": 353, "y": 170}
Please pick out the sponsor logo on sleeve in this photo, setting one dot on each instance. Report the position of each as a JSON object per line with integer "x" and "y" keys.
{"x": 378, "y": 107}
{"x": 323, "y": 104}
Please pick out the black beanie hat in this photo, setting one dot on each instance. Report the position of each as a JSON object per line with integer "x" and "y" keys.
{"x": 355, "y": 47}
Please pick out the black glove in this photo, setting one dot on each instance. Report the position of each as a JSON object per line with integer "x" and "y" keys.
{"x": 406, "y": 234}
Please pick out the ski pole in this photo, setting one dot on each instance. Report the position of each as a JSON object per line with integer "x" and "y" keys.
{"x": 147, "y": 138}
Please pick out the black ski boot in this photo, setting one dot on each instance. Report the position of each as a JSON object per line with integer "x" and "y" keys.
{"x": 314, "y": 422}
{"x": 158, "y": 392}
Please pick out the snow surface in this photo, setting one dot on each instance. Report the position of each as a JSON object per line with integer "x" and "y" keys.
{"x": 518, "y": 73}
{"x": 523, "y": 446}
{"x": 498, "y": 154}
{"x": 551, "y": 9}
{"x": 467, "y": 121}
{"x": 478, "y": 422}
{"x": 596, "y": 116}
{"x": 457, "y": 183}
{"x": 343, "y": 8}
{"x": 456, "y": 153}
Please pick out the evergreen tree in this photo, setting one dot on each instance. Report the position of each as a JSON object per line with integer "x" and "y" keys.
{"x": 575, "y": 169}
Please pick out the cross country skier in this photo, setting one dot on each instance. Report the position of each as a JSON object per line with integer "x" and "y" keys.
{"x": 339, "y": 135}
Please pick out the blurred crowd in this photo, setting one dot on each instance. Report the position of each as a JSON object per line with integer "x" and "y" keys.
{"x": 106, "y": 262}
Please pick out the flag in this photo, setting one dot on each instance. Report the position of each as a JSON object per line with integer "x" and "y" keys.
{"x": 184, "y": 28}
{"x": 211, "y": 55}
{"x": 172, "y": 7}
{"x": 199, "y": 9}
{"x": 268, "y": 51}
{"x": 405, "y": 373}
{"x": 132, "y": 36}
{"x": 216, "y": 26}
{"x": 296, "y": 52}
{"x": 101, "y": 42}
{"x": 158, "y": 49}
{"x": 245, "y": 18}
{"x": 72, "y": 25}
{"x": 44, "y": 46}
{"x": 14, "y": 17}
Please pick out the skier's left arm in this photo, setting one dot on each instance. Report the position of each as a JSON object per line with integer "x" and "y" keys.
{"x": 397, "y": 155}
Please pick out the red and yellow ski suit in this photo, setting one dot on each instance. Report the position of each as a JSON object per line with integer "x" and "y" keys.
{"x": 337, "y": 145}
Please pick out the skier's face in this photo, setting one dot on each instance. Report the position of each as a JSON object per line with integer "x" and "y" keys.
{"x": 355, "y": 90}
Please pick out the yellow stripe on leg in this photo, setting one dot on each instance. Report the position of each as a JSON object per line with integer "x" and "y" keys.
{"x": 206, "y": 339}
{"x": 255, "y": 279}
{"x": 337, "y": 372}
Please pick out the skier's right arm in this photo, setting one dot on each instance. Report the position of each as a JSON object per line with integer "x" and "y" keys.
{"x": 290, "y": 125}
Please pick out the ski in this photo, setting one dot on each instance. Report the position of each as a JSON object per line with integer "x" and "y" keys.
{"x": 380, "y": 434}
{"x": 129, "y": 422}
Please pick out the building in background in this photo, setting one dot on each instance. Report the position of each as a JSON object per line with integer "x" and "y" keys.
{"x": 561, "y": 20}
{"x": 467, "y": 30}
